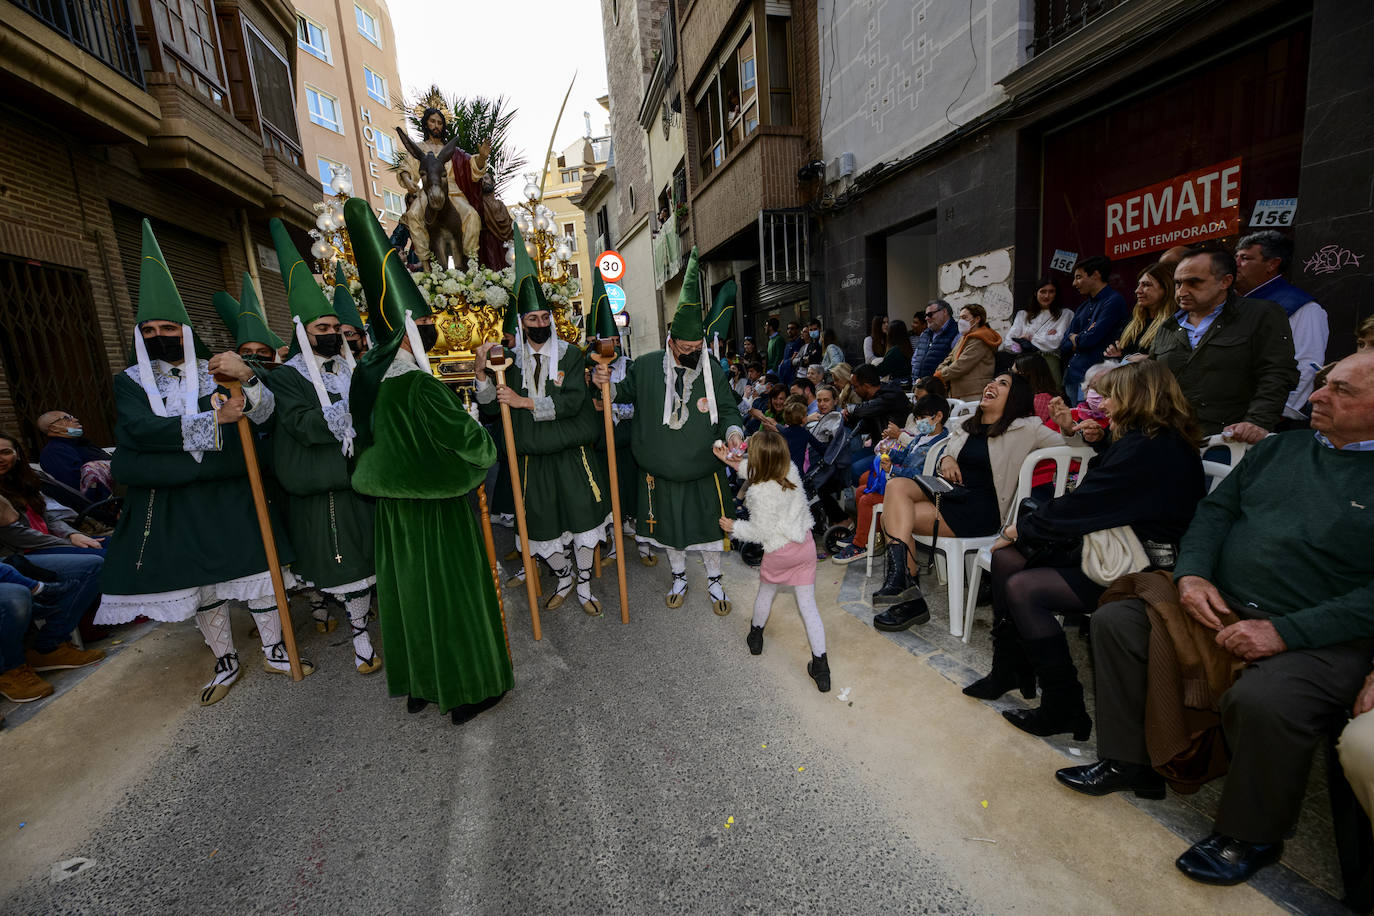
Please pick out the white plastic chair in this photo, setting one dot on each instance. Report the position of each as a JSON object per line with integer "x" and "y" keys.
{"x": 959, "y": 408}
{"x": 1216, "y": 472}
{"x": 1237, "y": 449}
{"x": 1063, "y": 457}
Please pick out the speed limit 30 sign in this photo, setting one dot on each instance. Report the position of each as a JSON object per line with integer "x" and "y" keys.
{"x": 611, "y": 265}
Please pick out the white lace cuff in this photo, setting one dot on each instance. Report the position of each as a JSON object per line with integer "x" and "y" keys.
{"x": 259, "y": 402}
{"x": 543, "y": 408}
{"x": 200, "y": 434}
{"x": 622, "y": 412}
{"x": 486, "y": 391}
{"x": 339, "y": 421}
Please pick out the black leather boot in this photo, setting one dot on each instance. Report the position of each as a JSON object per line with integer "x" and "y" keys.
{"x": 1010, "y": 667}
{"x": 898, "y": 585}
{"x": 1061, "y": 707}
{"x": 903, "y": 616}
{"x": 754, "y": 640}
{"x": 819, "y": 669}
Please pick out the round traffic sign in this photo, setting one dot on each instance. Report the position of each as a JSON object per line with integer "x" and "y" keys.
{"x": 615, "y": 295}
{"x": 611, "y": 265}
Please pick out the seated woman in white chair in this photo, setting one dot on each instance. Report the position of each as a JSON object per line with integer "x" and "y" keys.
{"x": 983, "y": 461}
{"x": 1146, "y": 474}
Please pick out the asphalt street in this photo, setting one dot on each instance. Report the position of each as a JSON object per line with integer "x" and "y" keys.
{"x": 649, "y": 768}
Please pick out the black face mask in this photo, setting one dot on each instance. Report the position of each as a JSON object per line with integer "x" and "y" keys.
{"x": 429, "y": 335}
{"x": 689, "y": 360}
{"x": 329, "y": 345}
{"x": 356, "y": 346}
{"x": 539, "y": 335}
{"x": 167, "y": 349}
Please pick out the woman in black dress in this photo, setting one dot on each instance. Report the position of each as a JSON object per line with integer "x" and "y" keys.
{"x": 984, "y": 458}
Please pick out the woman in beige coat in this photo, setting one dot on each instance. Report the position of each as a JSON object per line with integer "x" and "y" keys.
{"x": 971, "y": 364}
{"x": 984, "y": 456}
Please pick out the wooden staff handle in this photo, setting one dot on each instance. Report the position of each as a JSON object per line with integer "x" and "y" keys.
{"x": 604, "y": 356}
{"x": 269, "y": 542}
{"x": 496, "y": 361}
{"x": 490, "y": 544}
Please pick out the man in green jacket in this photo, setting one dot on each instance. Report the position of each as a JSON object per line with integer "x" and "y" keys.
{"x": 1276, "y": 567}
{"x": 1233, "y": 357}
{"x": 775, "y": 345}
{"x": 331, "y": 525}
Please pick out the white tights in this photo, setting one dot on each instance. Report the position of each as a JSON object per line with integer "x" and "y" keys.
{"x": 806, "y": 603}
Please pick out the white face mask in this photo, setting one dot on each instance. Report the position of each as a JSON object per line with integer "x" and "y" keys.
{"x": 73, "y": 431}
{"x": 963, "y": 326}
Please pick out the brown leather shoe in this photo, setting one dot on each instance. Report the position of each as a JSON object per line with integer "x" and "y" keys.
{"x": 23, "y": 685}
{"x": 63, "y": 657}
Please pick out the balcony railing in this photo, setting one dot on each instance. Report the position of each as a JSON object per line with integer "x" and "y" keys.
{"x": 1056, "y": 20}
{"x": 668, "y": 255}
{"x": 101, "y": 28}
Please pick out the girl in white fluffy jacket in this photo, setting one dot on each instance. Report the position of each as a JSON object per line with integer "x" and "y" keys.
{"x": 779, "y": 520}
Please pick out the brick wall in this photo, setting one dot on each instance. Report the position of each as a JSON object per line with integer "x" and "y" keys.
{"x": 630, "y": 46}
{"x": 55, "y": 196}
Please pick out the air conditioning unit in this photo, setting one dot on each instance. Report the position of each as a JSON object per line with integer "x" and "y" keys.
{"x": 842, "y": 166}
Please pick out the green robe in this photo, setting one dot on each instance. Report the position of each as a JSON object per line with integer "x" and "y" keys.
{"x": 330, "y": 523}
{"x": 564, "y": 482}
{"x": 682, "y": 490}
{"x": 442, "y": 628}
{"x": 184, "y": 523}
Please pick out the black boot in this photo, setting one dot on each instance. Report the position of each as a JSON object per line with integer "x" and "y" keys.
{"x": 903, "y": 616}
{"x": 819, "y": 669}
{"x": 898, "y": 585}
{"x": 415, "y": 704}
{"x": 1010, "y": 667}
{"x": 754, "y": 640}
{"x": 1061, "y": 707}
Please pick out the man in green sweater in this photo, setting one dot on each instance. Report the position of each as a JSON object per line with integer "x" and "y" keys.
{"x": 1283, "y": 544}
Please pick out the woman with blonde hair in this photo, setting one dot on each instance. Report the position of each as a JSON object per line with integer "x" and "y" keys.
{"x": 843, "y": 373}
{"x": 1146, "y": 475}
{"x": 1154, "y": 307}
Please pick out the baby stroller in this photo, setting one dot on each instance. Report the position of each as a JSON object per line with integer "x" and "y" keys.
{"x": 824, "y": 482}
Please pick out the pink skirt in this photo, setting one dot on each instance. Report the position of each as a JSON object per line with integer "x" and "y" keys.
{"x": 794, "y": 564}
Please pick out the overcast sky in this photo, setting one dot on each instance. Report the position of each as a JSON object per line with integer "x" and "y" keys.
{"x": 524, "y": 49}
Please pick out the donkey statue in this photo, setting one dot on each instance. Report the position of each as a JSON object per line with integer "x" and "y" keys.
{"x": 443, "y": 224}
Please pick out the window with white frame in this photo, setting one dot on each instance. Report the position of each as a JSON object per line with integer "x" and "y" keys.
{"x": 312, "y": 38}
{"x": 393, "y": 203}
{"x": 367, "y": 26}
{"x": 386, "y": 146}
{"x": 326, "y": 169}
{"x": 376, "y": 85}
{"x": 324, "y": 109}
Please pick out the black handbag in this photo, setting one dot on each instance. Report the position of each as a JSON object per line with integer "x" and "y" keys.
{"x": 937, "y": 488}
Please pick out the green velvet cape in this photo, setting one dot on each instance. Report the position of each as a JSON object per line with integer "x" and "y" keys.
{"x": 441, "y": 625}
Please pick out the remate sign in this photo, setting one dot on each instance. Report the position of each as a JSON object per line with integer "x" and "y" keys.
{"x": 1199, "y": 205}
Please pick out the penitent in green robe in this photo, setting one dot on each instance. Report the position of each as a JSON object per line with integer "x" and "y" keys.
{"x": 564, "y": 482}
{"x": 330, "y": 523}
{"x": 441, "y": 624}
{"x": 682, "y": 489}
{"x": 185, "y": 523}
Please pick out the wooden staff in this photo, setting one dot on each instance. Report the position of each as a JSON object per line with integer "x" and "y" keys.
{"x": 269, "y": 543}
{"x": 604, "y": 356}
{"x": 490, "y": 543}
{"x": 496, "y": 361}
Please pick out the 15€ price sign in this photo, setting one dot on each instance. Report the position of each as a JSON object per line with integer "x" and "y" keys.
{"x": 611, "y": 265}
{"x": 1277, "y": 211}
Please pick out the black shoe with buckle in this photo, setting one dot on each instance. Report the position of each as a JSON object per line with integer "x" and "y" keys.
{"x": 1108, "y": 776}
{"x": 902, "y": 616}
{"x": 1221, "y": 859}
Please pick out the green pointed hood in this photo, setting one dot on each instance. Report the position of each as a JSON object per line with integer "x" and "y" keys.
{"x": 720, "y": 321}
{"x": 600, "y": 321}
{"x": 244, "y": 318}
{"x": 344, "y": 306}
{"x": 528, "y": 295}
{"x": 303, "y": 295}
{"x": 391, "y": 292}
{"x": 687, "y": 323}
{"x": 158, "y": 299}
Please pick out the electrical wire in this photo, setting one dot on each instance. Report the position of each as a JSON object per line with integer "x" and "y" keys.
{"x": 973, "y": 49}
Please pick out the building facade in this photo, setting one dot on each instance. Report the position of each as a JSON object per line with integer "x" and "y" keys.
{"x": 347, "y": 93}
{"x": 564, "y": 177}
{"x": 967, "y": 157}
{"x": 115, "y": 112}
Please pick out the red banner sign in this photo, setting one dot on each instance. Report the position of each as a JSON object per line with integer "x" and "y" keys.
{"x": 1199, "y": 205}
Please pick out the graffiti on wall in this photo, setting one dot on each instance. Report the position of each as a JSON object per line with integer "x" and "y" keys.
{"x": 982, "y": 278}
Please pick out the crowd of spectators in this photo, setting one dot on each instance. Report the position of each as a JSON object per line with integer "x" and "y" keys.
{"x": 1242, "y": 640}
